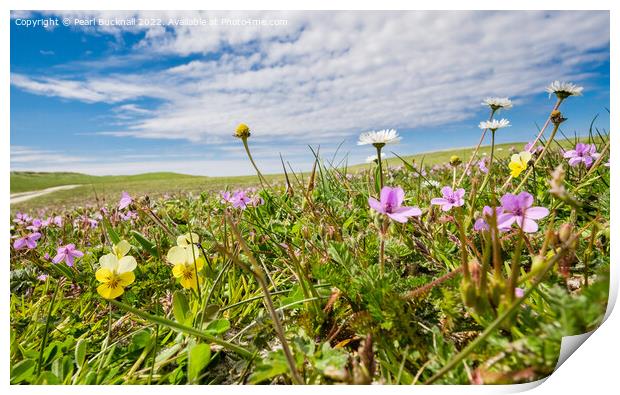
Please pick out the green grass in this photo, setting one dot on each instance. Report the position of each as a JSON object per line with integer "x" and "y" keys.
{"x": 108, "y": 188}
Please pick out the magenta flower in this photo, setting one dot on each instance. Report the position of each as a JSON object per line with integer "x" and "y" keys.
{"x": 35, "y": 225}
{"x": 42, "y": 277}
{"x": 519, "y": 292}
{"x": 518, "y": 208}
{"x": 240, "y": 200}
{"x": 391, "y": 205}
{"x": 583, "y": 153}
{"x": 67, "y": 253}
{"x": 482, "y": 165}
{"x": 226, "y": 197}
{"x": 125, "y": 201}
{"x": 450, "y": 198}
{"x": 482, "y": 222}
{"x": 29, "y": 241}
{"x": 21, "y": 218}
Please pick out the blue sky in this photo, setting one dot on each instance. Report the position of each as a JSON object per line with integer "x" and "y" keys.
{"x": 125, "y": 100}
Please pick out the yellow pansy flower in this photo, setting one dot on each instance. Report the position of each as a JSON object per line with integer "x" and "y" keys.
{"x": 115, "y": 274}
{"x": 518, "y": 163}
{"x": 182, "y": 259}
{"x": 187, "y": 239}
{"x": 121, "y": 249}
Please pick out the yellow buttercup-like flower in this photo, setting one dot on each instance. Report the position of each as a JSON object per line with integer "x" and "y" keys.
{"x": 115, "y": 274}
{"x": 242, "y": 131}
{"x": 182, "y": 258}
{"x": 518, "y": 163}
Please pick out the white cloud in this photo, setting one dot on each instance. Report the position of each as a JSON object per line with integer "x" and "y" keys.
{"x": 326, "y": 75}
{"x": 21, "y": 155}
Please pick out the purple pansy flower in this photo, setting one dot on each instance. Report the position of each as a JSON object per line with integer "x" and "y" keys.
{"x": 29, "y": 241}
{"x": 391, "y": 205}
{"x": 67, "y": 253}
{"x": 450, "y": 198}
{"x": 518, "y": 208}
{"x": 583, "y": 153}
{"x": 125, "y": 201}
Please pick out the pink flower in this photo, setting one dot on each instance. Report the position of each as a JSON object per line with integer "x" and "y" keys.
{"x": 28, "y": 241}
{"x": 125, "y": 201}
{"x": 482, "y": 222}
{"x": 67, "y": 253}
{"x": 583, "y": 153}
{"x": 450, "y": 198}
{"x": 518, "y": 208}
{"x": 391, "y": 205}
{"x": 240, "y": 200}
{"x": 519, "y": 292}
{"x": 35, "y": 225}
{"x": 21, "y": 218}
{"x": 482, "y": 165}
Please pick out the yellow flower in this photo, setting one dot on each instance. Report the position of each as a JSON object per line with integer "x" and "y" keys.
{"x": 115, "y": 274}
{"x": 187, "y": 239}
{"x": 518, "y": 163}
{"x": 182, "y": 259}
{"x": 242, "y": 131}
{"x": 121, "y": 249}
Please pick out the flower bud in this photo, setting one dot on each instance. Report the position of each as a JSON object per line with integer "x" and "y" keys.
{"x": 455, "y": 160}
{"x": 242, "y": 131}
{"x": 565, "y": 232}
{"x": 538, "y": 264}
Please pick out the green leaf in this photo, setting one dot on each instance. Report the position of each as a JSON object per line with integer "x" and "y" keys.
{"x": 198, "y": 356}
{"x": 377, "y": 180}
{"x": 22, "y": 371}
{"x": 180, "y": 307}
{"x": 80, "y": 352}
{"x": 114, "y": 237}
{"x": 48, "y": 378}
{"x": 146, "y": 244}
{"x": 273, "y": 366}
{"x": 217, "y": 327}
{"x": 63, "y": 271}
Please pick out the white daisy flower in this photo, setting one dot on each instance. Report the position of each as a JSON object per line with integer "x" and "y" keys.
{"x": 382, "y": 137}
{"x": 494, "y": 124}
{"x": 564, "y": 89}
{"x": 497, "y": 103}
{"x": 371, "y": 158}
{"x": 431, "y": 183}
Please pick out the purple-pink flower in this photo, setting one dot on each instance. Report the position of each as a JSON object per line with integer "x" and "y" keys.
{"x": 29, "y": 241}
{"x": 450, "y": 198}
{"x": 67, "y": 253}
{"x": 125, "y": 201}
{"x": 240, "y": 200}
{"x": 583, "y": 153}
{"x": 391, "y": 205}
{"x": 482, "y": 165}
{"x": 21, "y": 218}
{"x": 518, "y": 209}
{"x": 482, "y": 222}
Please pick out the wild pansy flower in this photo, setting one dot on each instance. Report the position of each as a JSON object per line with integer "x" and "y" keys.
{"x": 497, "y": 103}
{"x": 494, "y": 124}
{"x": 583, "y": 153}
{"x": 121, "y": 248}
{"x": 115, "y": 274}
{"x": 125, "y": 201}
{"x": 451, "y": 198}
{"x": 391, "y": 205}
{"x": 518, "y": 209}
{"x": 564, "y": 89}
{"x": 518, "y": 163}
{"x": 379, "y": 138}
{"x": 29, "y": 241}
{"x": 67, "y": 253}
{"x": 183, "y": 256}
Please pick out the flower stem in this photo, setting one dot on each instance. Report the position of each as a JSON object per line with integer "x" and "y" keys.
{"x": 182, "y": 328}
{"x": 490, "y": 171}
{"x": 380, "y": 166}
{"x": 463, "y": 240}
{"x": 499, "y": 320}
{"x": 469, "y": 163}
{"x": 48, "y": 320}
{"x": 261, "y": 178}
